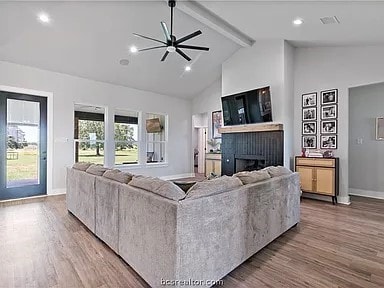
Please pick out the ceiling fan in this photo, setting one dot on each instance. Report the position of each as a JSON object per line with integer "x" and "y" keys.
{"x": 171, "y": 43}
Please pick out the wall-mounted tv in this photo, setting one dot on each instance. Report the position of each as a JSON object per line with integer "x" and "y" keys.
{"x": 248, "y": 107}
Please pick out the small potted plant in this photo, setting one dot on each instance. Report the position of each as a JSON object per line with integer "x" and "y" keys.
{"x": 214, "y": 144}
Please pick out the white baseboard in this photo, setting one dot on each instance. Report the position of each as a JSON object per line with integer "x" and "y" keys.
{"x": 345, "y": 200}
{"x": 366, "y": 193}
{"x": 179, "y": 176}
{"x": 58, "y": 191}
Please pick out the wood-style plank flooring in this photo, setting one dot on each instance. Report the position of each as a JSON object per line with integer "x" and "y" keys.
{"x": 41, "y": 245}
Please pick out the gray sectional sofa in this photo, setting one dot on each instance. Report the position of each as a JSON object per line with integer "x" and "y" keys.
{"x": 200, "y": 238}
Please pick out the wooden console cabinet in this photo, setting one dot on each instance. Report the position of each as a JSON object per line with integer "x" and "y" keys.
{"x": 319, "y": 175}
{"x": 212, "y": 164}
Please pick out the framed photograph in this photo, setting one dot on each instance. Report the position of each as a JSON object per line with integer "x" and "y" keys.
{"x": 329, "y": 127}
{"x": 328, "y": 142}
{"x": 309, "y": 142}
{"x": 310, "y": 99}
{"x": 217, "y": 122}
{"x": 329, "y": 97}
{"x": 328, "y": 112}
{"x": 309, "y": 114}
{"x": 309, "y": 128}
{"x": 380, "y": 128}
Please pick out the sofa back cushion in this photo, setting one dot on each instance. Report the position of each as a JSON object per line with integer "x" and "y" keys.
{"x": 82, "y": 166}
{"x": 214, "y": 186}
{"x": 158, "y": 186}
{"x": 276, "y": 171}
{"x": 117, "y": 175}
{"x": 97, "y": 170}
{"x": 248, "y": 177}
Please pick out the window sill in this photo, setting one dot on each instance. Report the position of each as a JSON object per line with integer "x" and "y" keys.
{"x": 141, "y": 166}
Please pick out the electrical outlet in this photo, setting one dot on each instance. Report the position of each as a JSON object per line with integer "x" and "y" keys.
{"x": 359, "y": 141}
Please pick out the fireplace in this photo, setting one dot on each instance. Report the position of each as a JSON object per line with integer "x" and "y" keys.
{"x": 245, "y": 151}
{"x": 249, "y": 163}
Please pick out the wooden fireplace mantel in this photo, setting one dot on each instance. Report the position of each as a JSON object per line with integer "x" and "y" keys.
{"x": 262, "y": 127}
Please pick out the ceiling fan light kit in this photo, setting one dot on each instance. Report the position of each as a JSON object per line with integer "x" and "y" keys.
{"x": 171, "y": 43}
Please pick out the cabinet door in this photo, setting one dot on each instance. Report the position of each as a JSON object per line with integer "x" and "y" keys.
{"x": 325, "y": 179}
{"x": 306, "y": 178}
{"x": 217, "y": 167}
{"x": 208, "y": 167}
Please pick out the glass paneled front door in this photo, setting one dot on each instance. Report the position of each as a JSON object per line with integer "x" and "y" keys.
{"x": 23, "y": 146}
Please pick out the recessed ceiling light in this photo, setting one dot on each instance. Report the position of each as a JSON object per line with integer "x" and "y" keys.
{"x": 124, "y": 62}
{"x": 44, "y": 18}
{"x": 133, "y": 49}
{"x": 298, "y": 21}
{"x": 188, "y": 68}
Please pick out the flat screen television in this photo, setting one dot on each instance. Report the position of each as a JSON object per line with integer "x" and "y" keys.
{"x": 248, "y": 107}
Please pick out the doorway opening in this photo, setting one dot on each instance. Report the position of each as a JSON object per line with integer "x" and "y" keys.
{"x": 199, "y": 143}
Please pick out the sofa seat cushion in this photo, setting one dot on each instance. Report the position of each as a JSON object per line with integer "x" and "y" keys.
{"x": 158, "y": 186}
{"x": 82, "y": 166}
{"x": 214, "y": 186}
{"x": 117, "y": 175}
{"x": 97, "y": 170}
{"x": 276, "y": 171}
{"x": 248, "y": 177}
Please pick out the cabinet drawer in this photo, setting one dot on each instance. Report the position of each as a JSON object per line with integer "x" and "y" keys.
{"x": 213, "y": 156}
{"x": 323, "y": 162}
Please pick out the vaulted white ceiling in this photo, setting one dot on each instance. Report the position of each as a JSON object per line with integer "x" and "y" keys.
{"x": 88, "y": 39}
{"x": 361, "y": 22}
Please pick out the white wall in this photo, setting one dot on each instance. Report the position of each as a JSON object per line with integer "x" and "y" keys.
{"x": 318, "y": 69}
{"x": 366, "y": 163}
{"x": 207, "y": 102}
{"x": 266, "y": 63}
{"x": 68, "y": 90}
{"x": 288, "y": 102}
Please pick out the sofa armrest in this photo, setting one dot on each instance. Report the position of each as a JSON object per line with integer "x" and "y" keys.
{"x": 81, "y": 196}
{"x": 107, "y": 211}
{"x": 147, "y": 234}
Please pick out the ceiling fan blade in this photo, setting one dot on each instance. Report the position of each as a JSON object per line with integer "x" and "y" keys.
{"x": 165, "y": 55}
{"x": 183, "y": 54}
{"x": 194, "y": 34}
{"x": 149, "y": 38}
{"x": 193, "y": 47}
{"x": 165, "y": 30}
{"x": 151, "y": 48}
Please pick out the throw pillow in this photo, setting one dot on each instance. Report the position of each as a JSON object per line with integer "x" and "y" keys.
{"x": 117, "y": 175}
{"x": 158, "y": 186}
{"x": 214, "y": 186}
{"x": 97, "y": 170}
{"x": 248, "y": 177}
{"x": 82, "y": 166}
{"x": 276, "y": 171}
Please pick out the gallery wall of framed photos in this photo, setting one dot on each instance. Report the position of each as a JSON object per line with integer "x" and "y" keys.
{"x": 323, "y": 127}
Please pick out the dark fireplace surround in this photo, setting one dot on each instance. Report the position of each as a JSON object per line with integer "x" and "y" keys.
{"x": 247, "y": 151}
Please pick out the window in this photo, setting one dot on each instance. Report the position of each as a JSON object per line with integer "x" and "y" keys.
{"x": 89, "y": 134}
{"x": 126, "y": 137}
{"x": 156, "y": 137}
{"x": 119, "y": 138}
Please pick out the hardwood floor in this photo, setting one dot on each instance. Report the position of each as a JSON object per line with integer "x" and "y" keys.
{"x": 41, "y": 245}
